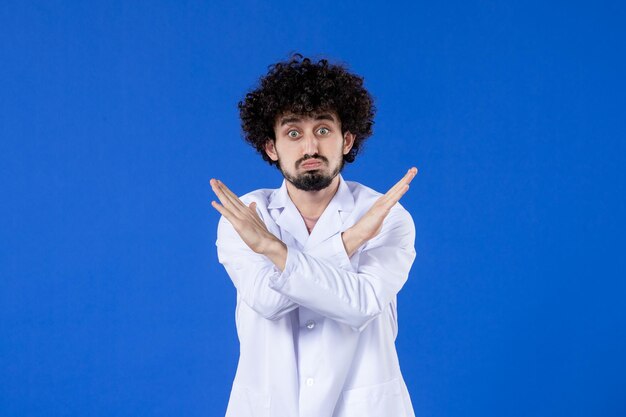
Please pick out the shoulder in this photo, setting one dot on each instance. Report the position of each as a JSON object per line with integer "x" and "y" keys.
{"x": 359, "y": 190}
{"x": 260, "y": 196}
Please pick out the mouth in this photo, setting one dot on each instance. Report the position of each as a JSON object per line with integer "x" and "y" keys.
{"x": 311, "y": 165}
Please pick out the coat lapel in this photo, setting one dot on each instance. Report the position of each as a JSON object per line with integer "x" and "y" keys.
{"x": 289, "y": 219}
{"x": 332, "y": 219}
{"x": 329, "y": 223}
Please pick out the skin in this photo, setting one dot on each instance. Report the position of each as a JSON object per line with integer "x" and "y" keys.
{"x": 305, "y": 139}
{"x": 299, "y": 141}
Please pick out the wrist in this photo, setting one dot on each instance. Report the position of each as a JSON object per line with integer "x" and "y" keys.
{"x": 355, "y": 234}
{"x": 276, "y": 251}
{"x": 272, "y": 245}
{"x": 351, "y": 240}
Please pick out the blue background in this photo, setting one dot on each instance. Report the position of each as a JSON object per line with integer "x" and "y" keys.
{"x": 115, "y": 115}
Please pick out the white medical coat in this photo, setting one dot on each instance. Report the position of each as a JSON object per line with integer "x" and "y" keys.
{"x": 318, "y": 339}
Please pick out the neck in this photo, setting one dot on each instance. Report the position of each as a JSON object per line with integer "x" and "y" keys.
{"x": 312, "y": 203}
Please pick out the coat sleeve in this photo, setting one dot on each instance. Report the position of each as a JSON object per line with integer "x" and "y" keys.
{"x": 324, "y": 285}
{"x": 250, "y": 273}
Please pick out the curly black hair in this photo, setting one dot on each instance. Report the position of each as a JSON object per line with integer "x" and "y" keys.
{"x": 302, "y": 87}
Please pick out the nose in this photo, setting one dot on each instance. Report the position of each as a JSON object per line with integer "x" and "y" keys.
{"x": 310, "y": 144}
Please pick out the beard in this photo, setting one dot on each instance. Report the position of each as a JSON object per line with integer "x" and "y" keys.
{"x": 313, "y": 179}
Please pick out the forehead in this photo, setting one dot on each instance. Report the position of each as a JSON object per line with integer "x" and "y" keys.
{"x": 290, "y": 118}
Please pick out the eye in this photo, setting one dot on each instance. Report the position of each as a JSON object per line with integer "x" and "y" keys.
{"x": 324, "y": 131}
{"x": 293, "y": 133}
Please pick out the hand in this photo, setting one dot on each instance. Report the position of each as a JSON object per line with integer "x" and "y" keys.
{"x": 244, "y": 218}
{"x": 371, "y": 223}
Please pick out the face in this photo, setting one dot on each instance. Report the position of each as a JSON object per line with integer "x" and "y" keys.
{"x": 309, "y": 150}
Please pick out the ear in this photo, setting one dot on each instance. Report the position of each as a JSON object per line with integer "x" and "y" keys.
{"x": 348, "y": 141}
{"x": 270, "y": 149}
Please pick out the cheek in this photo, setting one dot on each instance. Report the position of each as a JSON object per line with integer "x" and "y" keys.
{"x": 287, "y": 154}
{"x": 287, "y": 146}
{"x": 334, "y": 150}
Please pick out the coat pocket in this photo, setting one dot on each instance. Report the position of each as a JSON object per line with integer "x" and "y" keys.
{"x": 247, "y": 402}
{"x": 380, "y": 400}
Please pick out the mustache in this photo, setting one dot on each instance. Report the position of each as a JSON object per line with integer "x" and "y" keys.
{"x": 312, "y": 158}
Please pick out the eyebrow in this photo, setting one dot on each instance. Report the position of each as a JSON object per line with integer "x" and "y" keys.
{"x": 323, "y": 116}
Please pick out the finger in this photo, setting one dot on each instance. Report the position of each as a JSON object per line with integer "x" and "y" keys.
{"x": 238, "y": 210}
{"x": 234, "y": 204}
{"x": 397, "y": 195}
{"x": 411, "y": 174}
{"x": 252, "y": 208}
{"x": 398, "y": 190}
{"x": 221, "y": 196}
{"x": 232, "y": 196}
{"x": 403, "y": 184}
{"x": 255, "y": 216}
{"x": 408, "y": 177}
{"x": 227, "y": 190}
{"x": 222, "y": 210}
{"x": 245, "y": 210}
{"x": 388, "y": 201}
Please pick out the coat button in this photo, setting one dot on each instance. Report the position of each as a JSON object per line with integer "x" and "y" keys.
{"x": 310, "y": 382}
{"x": 310, "y": 324}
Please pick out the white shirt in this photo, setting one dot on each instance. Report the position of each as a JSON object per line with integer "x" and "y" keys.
{"x": 318, "y": 339}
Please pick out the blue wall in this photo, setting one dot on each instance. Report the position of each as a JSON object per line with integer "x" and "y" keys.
{"x": 115, "y": 115}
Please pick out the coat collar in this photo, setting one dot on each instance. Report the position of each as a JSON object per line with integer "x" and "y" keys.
{"x": 329, "y": 223}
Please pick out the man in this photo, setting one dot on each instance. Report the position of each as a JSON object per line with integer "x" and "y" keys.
{"x": 317, "y": 263}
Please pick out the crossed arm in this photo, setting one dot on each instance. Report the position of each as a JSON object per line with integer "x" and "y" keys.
{"x": 296, "y": 278}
